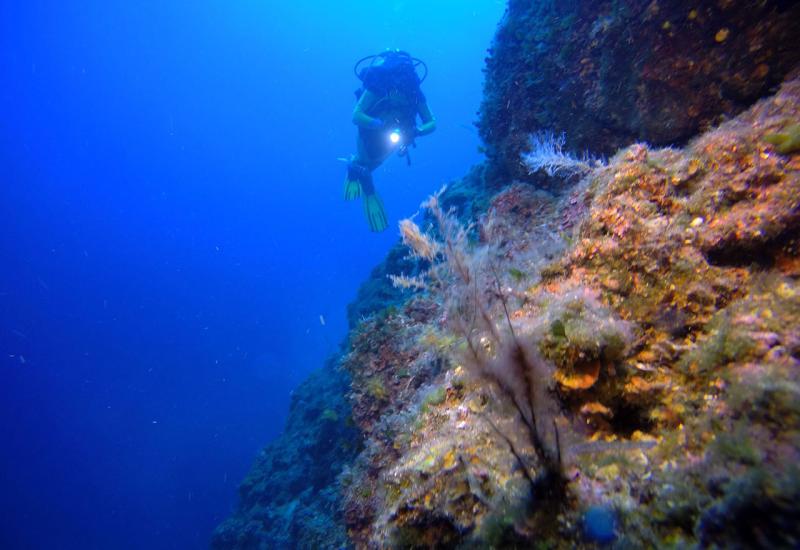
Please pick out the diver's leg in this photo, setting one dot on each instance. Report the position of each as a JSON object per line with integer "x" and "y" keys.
{"x": 373, "y": 206}
{"x": 371, "y": 152}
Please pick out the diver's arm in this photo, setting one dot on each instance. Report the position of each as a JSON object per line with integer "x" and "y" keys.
{"x": 364, "y": 104}
{"x": 428, "y": 122}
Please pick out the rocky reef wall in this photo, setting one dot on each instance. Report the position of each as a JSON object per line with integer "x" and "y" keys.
{"x": 618, "y": 362}
{"x": 290, "y": 498}
{"x": 611, "y": 73}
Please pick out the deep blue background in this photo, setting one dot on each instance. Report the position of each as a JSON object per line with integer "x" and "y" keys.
{"x": 172, "y": 229}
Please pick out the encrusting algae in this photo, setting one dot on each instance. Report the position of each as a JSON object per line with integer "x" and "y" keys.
{"x": 670, "y": 327}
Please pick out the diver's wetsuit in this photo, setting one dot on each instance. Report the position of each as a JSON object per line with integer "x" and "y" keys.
{"x": 398, "y": 112}
{"x": 390, "y": 101}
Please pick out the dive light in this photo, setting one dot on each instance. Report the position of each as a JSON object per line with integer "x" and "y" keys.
{"x": 394, "y": 136}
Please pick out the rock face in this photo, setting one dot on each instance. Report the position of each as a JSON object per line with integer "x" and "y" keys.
{"x": 611, "y": 358}
{"x": 290, "y": 498}
{"x": 613, "y": 73}
{"x": 643, "y": 367}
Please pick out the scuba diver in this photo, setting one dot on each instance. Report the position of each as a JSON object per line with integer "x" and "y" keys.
{"x": 386, "y": 115}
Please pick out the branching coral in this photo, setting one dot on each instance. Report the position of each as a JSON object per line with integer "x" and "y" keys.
{"x": 406, "y": 282}
{"x": 420, "y": 244}
{"x": 471, "y": 289}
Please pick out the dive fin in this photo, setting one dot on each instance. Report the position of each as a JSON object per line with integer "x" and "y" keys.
{"x": 352, "y": 189}
{"x": 373, "y": 210}
{"x": 358, "y": 180}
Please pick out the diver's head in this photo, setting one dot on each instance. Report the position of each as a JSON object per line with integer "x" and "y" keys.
{"x": 392, "y": 61}
{"x": 395, "y": 55}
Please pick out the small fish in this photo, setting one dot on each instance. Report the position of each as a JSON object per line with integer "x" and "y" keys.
{"x": 321, "y": 320}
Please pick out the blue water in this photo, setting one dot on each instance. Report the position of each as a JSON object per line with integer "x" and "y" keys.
{"x": 173, "y": 228}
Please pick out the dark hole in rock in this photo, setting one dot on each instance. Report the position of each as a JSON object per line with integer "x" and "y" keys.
{"x": 629, "y": 419}
{"x": 761, "y": 254}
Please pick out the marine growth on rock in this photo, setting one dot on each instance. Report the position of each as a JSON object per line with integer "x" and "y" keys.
{"x": 610, "y": 358}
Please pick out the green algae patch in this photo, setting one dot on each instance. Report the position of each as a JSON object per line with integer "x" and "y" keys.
{"x": 786, "y": 141}
{"x": 517, "y": 274}
{"x": 580, "y": 330}
{"x": 726, "y": 342}
{"x": 330, "y": 415}
{"x": 377, "y": 389}
{"x": 434, "y": 398}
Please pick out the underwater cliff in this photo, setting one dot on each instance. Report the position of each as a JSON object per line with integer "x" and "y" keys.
{"x": 575, "y": 351}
